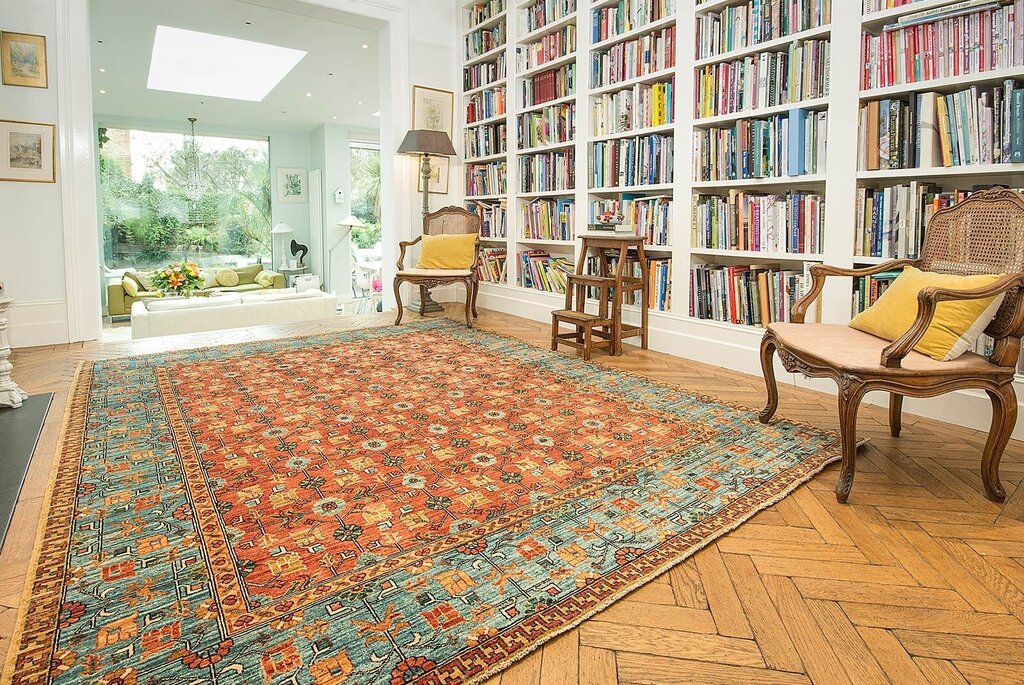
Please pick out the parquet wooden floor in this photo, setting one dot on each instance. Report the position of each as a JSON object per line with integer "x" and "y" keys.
{"x": 919, "y": 579}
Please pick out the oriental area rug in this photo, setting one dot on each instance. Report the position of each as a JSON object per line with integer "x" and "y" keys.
{"x": 423, "y": 504}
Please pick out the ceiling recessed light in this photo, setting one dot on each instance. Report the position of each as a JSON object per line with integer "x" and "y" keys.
{"x": 309, "y": 95}
{"x": 365, "y": 46}
{"x": 103, "y": 92}
{"x": 206, "y": 64}
{"x": 102, "y": 70}
{"x": 377, "y": 113}
{"x": 335, "y": 116}
{"x": 360, "y": 102}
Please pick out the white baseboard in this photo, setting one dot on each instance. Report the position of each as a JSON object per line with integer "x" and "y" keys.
{"x": 37, "y": 322}
{"x": 738, "y": 349}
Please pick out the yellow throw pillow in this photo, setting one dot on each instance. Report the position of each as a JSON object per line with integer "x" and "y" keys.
{"x": 227, "y": 278}
{"x": 447, "y": 251}
{"x": 265, "y": 279}
{"x": 130, "y": 286}
{"x": 956, "y": 326}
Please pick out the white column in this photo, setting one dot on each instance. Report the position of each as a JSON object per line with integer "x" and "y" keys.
{"x": 10, "y": 394}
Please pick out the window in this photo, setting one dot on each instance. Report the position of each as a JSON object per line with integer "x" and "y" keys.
{"x": 366, "y": 193}
{"x": 169, "y": 196}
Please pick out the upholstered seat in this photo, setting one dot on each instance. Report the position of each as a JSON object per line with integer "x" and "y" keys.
{"x": 435, "y": 272}
{"x": 840, "y": 346}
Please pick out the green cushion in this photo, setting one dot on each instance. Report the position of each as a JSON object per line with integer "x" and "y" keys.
{"x": 265, "y": 279}
{"x": 247, "y": 274}
{"x": 227, "y": 278}
{"x": 130, "y": 285}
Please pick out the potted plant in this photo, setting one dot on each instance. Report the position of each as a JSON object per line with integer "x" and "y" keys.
{"x": 179, "y": 278}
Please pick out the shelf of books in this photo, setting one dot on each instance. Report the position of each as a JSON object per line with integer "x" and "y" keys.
{"x": 941, "y": 115}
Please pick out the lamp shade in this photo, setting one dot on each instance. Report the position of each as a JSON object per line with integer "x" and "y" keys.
{"x": 351, "y": 221}
{"x": 281, "y": 229}
{"x": 423, "y": 142}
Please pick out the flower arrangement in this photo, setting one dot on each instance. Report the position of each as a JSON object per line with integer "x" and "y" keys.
{"x": 179, "y": 278}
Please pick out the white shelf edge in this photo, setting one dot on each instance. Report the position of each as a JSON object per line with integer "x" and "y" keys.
{"x": 549, "y": 65}
{"x": 766, "y": 46}
{"x": 485, "y": 57}
{"x": 664, "y": 128}
{"x": 943, "y": 83}
{"x": 654, "y": 76}
{"x": 942, "y": 172}
{"x": 813, "y": 104}
{"x": 550, "y": 28}
{"x": 772, "y": 181}
{"x": 665, "y": 22}
{"x": 754, "y": 254}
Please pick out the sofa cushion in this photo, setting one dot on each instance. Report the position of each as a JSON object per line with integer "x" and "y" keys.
{"x": 209, "y": 277}
{"x": 130, "y": 285}
{"x": 265, "y": 279}
{"x": 247, "y": 274}
{"x": 278, "y": 296}
{"x": 143, "y": 278}
{"x": 192, "y": 303}
{"x": 227, "y": 278}
{"x": 447, "y": 251}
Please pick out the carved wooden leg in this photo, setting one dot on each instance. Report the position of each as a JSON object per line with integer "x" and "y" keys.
{"x": 423, "y": 300}
{"x": 895, "y": 414}
{"x": 469, "y": 302}
{"x": 1004, "y": 418}
{"x": 554, "y": 334}
{"x": 398, "y": 299}
{"x": 851, "y": 392}
{"x": 476, "y": 291}
{"x": 768, "y": 369}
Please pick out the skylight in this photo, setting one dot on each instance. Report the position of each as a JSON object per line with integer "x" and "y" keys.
{"x": 205, "y": 64}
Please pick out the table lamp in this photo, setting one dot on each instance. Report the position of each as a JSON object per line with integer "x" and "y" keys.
{"x": 279, "y": 232}
{"x": 426, "y": 143}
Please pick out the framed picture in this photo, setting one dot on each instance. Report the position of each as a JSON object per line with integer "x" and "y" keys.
{"x": 438, "y": 183}
{"x": 27, "y": 152}
{"x": 292, "y": 185}
{"x": 432, "y": 109}
{"x": 23, "y": 56}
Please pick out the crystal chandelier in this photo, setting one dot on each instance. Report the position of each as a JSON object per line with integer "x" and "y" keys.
{"x": 194, "y": 183}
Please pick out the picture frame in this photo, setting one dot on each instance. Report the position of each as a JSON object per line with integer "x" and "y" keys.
{"x": 433, "y": 109}
{"x": 292, "y": 185}
{"x": 23, "y": 60}
{"x": 439, "y": 171}
{"x": 28, "y": 152}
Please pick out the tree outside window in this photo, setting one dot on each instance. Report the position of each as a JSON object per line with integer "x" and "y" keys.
{"x": 366, "y": 194}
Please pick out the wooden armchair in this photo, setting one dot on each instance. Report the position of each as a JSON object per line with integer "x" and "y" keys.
{"x": 982, "y": 235}
{"x": 447, "y": 221}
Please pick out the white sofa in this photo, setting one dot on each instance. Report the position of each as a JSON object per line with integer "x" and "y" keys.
{"x": 151, "y": 318}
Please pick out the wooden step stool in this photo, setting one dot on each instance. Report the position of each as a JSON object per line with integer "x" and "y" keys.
{"x": 604, "y": 329}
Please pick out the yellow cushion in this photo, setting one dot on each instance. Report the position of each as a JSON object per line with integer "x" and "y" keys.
{"x": 130, "y": 286}
{"x": 265, "y": 278}
{"x": 954, "y": 329}
{"x": 447, "y": 251}
{"x": 227, "y": 278}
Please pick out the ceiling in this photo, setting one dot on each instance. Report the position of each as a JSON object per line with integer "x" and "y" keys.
{"x": 338, "y": 72}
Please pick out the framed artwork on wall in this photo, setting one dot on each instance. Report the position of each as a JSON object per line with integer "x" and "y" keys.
{"x": 23, "y": 59}
{"x": 438, "y": 183}
{"x": 27, "y": 152}
{"x": 292, "y": 185}
{"x": 432, "y": 109}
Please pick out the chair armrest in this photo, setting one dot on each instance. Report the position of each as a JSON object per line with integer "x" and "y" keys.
{"x": 819, "y": 272}
{"x": 403, "y": 246}
{"x": 927, "y": 300}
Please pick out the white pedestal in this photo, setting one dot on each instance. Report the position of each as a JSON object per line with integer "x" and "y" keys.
{"x": 10, "y": 394}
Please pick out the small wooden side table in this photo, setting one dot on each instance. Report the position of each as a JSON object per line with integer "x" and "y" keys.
{"x": 10, "y": 394}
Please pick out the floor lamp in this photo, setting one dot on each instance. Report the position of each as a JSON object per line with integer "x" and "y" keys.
{"x": 426, "y": 143}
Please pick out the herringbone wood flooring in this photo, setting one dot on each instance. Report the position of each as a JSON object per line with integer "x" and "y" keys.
{"x": 919, "y": 579}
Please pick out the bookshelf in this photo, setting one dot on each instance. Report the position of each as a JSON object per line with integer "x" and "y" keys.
{"x": 621, "y": 62}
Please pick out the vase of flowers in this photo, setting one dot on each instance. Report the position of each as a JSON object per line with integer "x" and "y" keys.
{"x": 179, "y": 278}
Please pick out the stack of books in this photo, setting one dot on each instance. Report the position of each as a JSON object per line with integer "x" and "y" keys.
{"x": 548, "y": 126}
{"x": 969, "y": 37}
{"x": 756, "y": 22}
{"x": 792, "y": 223}
{"x": 643, "y": 106}
{"x": 540, "y": 271}
{"x": 867, "y": 289}
{"x": 544, "y": 13}
{"x": 491, "y": 268}
{"x": 978, "y": 125}
{"x": 545, "y": 219}
{"x": 484, "y": 11}
{"x": 659, "y": 279}
{"x": 485, "y": 73}
{"x": 486, "y": 179}
{"x": 763, "y": 80}
{"x": 486, "y": 104}
{"x": 485, "y": 40}
{"x": 790, "y": 144}
{"x": 630, "y": 59}
{"x": 625, "y": 162}
{"x": 483, "y": 141}
{"x": 547, "y": 49}
{"x": 549, "y": 85}
{"x": 627, "y": 15}
{"x": 754, "y": 295}
{"x": 548, "y": 171}
{"x": 646, "y": 216}
{"x": 494, "y": 218}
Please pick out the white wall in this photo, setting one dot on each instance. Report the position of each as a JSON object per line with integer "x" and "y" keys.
{"x": 31, "y": 228}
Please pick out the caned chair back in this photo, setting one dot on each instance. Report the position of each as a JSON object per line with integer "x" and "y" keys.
{"x": 452, "y": 221}
{"x": 984, "y": 234}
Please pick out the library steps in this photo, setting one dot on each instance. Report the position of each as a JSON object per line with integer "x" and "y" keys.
{"x": 919, "y": 579}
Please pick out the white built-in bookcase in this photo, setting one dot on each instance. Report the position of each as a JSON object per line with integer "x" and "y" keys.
{"x": 727, "y": 344}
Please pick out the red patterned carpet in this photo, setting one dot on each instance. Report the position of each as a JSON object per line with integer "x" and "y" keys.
{"x": 422, "y": 504}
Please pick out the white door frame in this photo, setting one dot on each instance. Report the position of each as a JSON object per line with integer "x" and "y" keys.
{"x": 77, "y": 144}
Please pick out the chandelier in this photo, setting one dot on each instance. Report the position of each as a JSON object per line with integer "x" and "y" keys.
{"x": 194, "y": 182}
